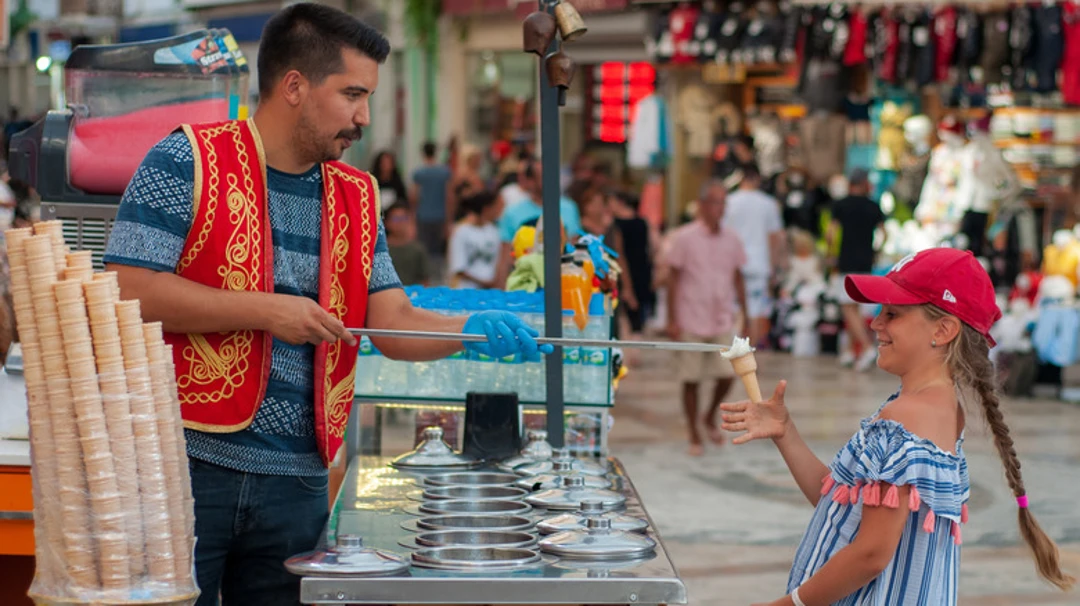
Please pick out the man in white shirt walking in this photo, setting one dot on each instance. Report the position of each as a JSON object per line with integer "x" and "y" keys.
{"x": 755, "y": 216}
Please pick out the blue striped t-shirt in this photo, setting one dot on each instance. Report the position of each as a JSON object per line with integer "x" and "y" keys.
{"x": 152, "y": 224}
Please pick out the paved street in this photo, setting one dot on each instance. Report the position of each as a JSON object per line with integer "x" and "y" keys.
{"x": 732, "y": 519}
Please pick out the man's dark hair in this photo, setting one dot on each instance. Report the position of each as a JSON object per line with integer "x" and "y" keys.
{"x": 429, "y": 149}
{"x": 309, "y": 38}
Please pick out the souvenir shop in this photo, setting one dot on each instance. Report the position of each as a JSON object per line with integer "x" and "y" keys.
{"x": 965, "y": 114}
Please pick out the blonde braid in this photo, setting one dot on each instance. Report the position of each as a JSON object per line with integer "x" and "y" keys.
{"x": 968, "y": 360}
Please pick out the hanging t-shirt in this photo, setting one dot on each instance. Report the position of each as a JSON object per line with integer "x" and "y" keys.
{"x": 1070, "y": 65}
{"x": 1048, "y": 47}
{"x": 945, "y": 40}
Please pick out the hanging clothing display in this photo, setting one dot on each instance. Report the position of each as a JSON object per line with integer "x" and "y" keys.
{"x": 694, "y": 112}
{"x": 995, "y": 47}
{"x": 855, "y": 51}
{"x": 681, "y": 23}
{"x": 938, "y": 204}
{"x": 945, "y": 41}
{"x": 649, "y": 139}
{"x": 886, "y": 45}
{"x": 824, "y": 145}
{"x": 924, "y": 54}
{"x": 969, "y": 35}
{"x": 767, "y": 132}
{"x": 1070, "y": 62}
{"x": 732, "y": 29}
{"x": 1048, "y": 46}
{"x": 1021, "y": 36}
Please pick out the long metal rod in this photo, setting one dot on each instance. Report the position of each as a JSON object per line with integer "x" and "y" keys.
{"x": 552, "y": 225}
{"x": 555, "y": 341}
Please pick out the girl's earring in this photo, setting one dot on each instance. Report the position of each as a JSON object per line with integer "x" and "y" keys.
{"x": 933, "y": 343}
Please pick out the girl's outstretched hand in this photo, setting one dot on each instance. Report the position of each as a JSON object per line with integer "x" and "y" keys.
{"x": 768, "y": 419}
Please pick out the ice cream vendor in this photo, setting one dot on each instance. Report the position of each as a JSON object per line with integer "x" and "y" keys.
{"x": 256, "y": 248}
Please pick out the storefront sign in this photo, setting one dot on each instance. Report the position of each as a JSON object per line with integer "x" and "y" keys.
{"x": 522, "y": 8}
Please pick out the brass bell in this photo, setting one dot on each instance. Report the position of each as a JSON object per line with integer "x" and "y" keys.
{"x": 571, "y": 25}
{"x": 560, "y": 69}
{"x": 538, "y": 30}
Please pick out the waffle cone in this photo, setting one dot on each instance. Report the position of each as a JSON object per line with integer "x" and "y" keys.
{"x": 746, "y": 368}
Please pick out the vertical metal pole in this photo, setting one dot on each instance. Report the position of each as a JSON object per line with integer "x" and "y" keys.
{"x": 549, "y": 150}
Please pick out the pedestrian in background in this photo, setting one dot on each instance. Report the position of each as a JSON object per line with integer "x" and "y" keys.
{"x": 705, "y": 289}
{"x": 432, "y": 201}
{"x": 756, "y": 217}
{"x": 410, "y": 258}
{"x": 855, "y": 220}
{"x": 391, "y": 186}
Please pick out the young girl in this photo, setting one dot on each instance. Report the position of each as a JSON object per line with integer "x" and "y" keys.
{"x": 889, "y": 509}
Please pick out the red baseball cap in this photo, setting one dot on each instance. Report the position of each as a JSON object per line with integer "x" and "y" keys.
{"x": 950, "y": 279}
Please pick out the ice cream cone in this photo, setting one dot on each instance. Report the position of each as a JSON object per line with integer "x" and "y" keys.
{"x": 741, "y": 356}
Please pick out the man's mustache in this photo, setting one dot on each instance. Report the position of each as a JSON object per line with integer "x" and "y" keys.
{"x": 355, "y": 134}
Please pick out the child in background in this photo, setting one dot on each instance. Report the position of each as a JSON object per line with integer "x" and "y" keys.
{"x": 901, "y": 544}
{"x": 805, "y": 266}
{"x": 475, "y": 244}
{"x": 410, "y": 257}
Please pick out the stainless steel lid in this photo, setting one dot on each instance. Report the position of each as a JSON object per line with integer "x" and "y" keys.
{"x": 591, "y": 509}
{"x": 348, "y": 557}
{"x": 598, "y": 541}
{"x": 478, "y": 559}
{"x": 572, "y": 493}
{"x": 502, "y": 523}
{"x": 471, "y": 478}
{"x": 584, "y": 466}
{"x": 546, "y": 481}
{"x": 511, "y": 508}
{"x": 433, "y": 452}
{"x": 473, "y": 493}
{"x": 536, "y": 449}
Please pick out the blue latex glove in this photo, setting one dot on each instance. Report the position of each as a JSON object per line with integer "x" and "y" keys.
{"x": 506, "y": 335}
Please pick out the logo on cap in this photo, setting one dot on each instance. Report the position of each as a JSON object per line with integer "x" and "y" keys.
{"x": 902, "y": 262}
{"x": 948, "y": 296}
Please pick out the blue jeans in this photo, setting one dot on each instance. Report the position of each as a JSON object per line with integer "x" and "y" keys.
{"x": 246, "y": 526}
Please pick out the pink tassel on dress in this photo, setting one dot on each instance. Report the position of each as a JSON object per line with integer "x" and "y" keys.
{"x": 872, "y": 494}
{"x": 892, "y": 497}
{"x": 963, "y": 514}
{"x": 855, "y": 492}
{"x": 928, "y": 523}
{"x": 913, "y": 500}
{"x": 842, "y": 494}
{"x": 827, "y": 484}
{"x": 956, "y": 533}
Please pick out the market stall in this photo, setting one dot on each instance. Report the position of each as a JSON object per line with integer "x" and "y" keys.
{"x": 112, "y": 505}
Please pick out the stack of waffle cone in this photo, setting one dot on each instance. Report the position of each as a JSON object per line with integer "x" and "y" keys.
{"x": 113, "y": 510}
{"x": 155, "y": 502}
{"x": 170, "y": 433}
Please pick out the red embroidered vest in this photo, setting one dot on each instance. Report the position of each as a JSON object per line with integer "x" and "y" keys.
{"x": 222, "y": 377}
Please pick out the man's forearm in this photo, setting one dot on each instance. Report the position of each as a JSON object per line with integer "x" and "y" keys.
{"x": 412, "y": 318}
{"x": 183, "y": 306}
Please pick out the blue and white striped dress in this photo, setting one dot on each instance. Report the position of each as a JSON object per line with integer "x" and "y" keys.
{"x": 879, "y": 457}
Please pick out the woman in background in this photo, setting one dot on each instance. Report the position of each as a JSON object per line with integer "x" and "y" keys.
{"x": 391, "y": 186}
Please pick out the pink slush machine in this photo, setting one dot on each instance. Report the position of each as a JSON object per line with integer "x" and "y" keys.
{"x": 123, "y": 99}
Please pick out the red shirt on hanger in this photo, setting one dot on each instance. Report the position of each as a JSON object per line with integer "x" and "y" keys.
{"x": 1070, "y": 62}
{"x": 944, "y": 41}
{"x": 855, "y": 51}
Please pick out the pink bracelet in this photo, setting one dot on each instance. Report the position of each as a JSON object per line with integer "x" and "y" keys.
{"x": 1022, "y": 501}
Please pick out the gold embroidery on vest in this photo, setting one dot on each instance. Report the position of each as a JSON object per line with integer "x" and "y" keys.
{"x": 227, "y": 367}
{"x": 338, "y": 397}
